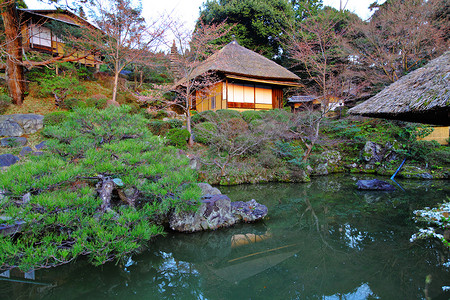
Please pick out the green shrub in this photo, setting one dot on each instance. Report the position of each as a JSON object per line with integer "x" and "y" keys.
{"x": 420, "y": 149}
{"x": 175, "y": 123}
{"x": 250, "y": 115}
{"x": 5, "y": 102}
{"x": 204, "y": 116}
{"x": 228, "y": 114}
{"x": 178, "y": 137}
{"x": 440, "y": 157}
{"x": 55, "y": 118}
{"x": 268, "y": 159}
{"x": 72, "y": 103}
{"x": 204, "y": 132}
{"x": 99, "y": 103}
{"x": 255, "y": 124}
{"x": 279, "y": 115}
{"x": 161, "y": 114}
{"x": 158, "y": 127}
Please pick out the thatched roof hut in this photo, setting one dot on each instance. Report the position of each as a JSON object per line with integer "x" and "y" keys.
{"x": 246, "y": 80}
{"x": 422, "y": 96}
{"x": 238, "y": 60}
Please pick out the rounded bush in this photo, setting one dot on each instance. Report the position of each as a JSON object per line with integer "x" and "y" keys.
{"x": 72, "y": 103}
{"x": 204, "y": 132}
{"x": 250, "y": 115}
{"x": 228, "y": 114}
{"x": 178, "y": 137}
{"x": 204, "y": 116}
{"x": 175, "y": 123}
{"x": 158, "y": 127}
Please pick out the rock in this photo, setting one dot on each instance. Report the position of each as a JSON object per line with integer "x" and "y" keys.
{"x": 374, "y": 185}
{"x": 9, "y": 127}
{"x": 213, "y": 213}
{"x": 332, "y": 157}
{"x": 248, "y": 211}
{"x": 112, "y": 103}
{"x": 7, "y": 160}
{"x": 207, "y": 189}
{"x": 30, "y": 123}
{"x": 26, "y": 198}
{"x": 25, "y": 151}
{"x": 415, "y": 172}
{"x": 13, "y": 142}
{"x": 372, "y": 152}
{"x": 41, "y": 145}
{"x": 321, "y": 169}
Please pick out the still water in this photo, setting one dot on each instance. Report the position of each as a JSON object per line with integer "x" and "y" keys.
{"x": 321, "y": 240}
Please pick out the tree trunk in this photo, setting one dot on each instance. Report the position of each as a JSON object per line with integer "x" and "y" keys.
{"x": 188, "y": 116}
{"x": 14, "y": 69}
{"x": 116, "y": 83}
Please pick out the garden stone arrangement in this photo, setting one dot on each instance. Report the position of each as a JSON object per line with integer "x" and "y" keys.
{"x": 216, "y": 211}
{"x": 12, "y": 127}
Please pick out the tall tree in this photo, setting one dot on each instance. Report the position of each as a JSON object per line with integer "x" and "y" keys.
{"x": 126, "y": 34}
{"x": 400, "y": 37}
{"x": 315, "y": 45}
{"x": 259, "y": 24}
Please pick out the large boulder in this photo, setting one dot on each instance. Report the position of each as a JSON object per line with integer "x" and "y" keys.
{"x": 207, "y": 189}
{"x": 9, "y": 128}
{"x": 216, "y": 211}
{"x": 213, "y": 213}
{"x": 30, "y": 123}
{"x": 374, "y": 185}
{"x": 19, "y": 124}
{"x": 372, "y": 152}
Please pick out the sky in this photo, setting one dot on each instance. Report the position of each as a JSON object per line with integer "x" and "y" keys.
{"x": 187, "y": 11}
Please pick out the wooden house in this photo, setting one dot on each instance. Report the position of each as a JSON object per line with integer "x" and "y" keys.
{"x": 246, "y": 80}
{"x": 36, "y": 36}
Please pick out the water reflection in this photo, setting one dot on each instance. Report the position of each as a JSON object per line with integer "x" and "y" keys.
{"x": 322, "y": 240}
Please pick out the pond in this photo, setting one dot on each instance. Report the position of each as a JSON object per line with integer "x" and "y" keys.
{"x": 321, "y": 240}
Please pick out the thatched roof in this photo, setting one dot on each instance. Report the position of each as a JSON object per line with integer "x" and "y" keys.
{"x": 421, "y": 96}
{"x": 237, "y": 60}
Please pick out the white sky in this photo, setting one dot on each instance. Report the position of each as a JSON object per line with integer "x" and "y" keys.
{"x": 187, "y": 11}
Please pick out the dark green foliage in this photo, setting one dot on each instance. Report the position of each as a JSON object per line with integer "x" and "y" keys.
{"x": 178, "y": 137}
{"x": 250, "y": 115}
{"x": 5, "y": 102}
{"x": 228, "y": 114}
{"x": 161, "y": 114}
{"x": 158, "y": 127}
{"x": 72, "y": 103}
{"x": 268, "y": 159}
{"x": 175, "y": 123}
{"x": 99, "y": 103}
{"x": 279, "y": 115}
{"x": 64, "y": 218}
{"x": 258, "y": 24}
{"x": 207, "y": 115}
{"x": 204, "y": 132}
{"x": 60, "y": 87}
{"x": 290, "y": 152}
{"x": 420, "y": 149}
{"x": 440, "y": 157}
{"x": 55, "y": 118}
